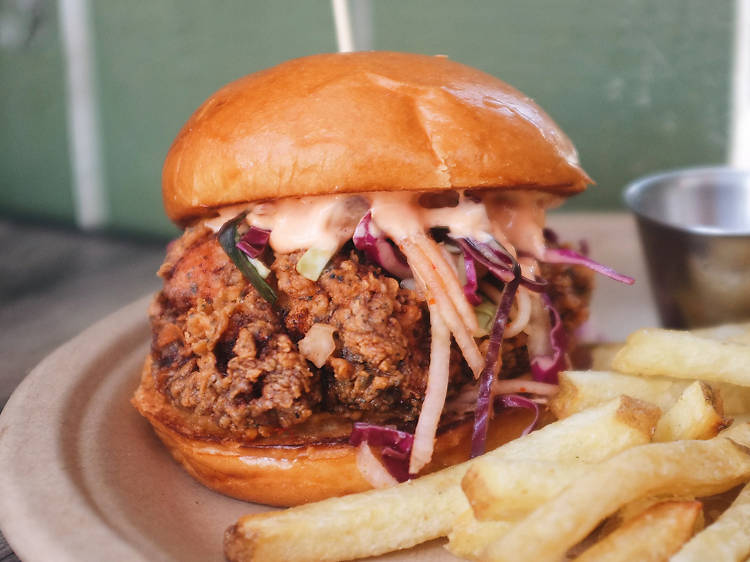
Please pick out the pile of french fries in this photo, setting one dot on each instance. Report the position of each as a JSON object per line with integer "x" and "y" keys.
{"x": 646, "y": 446}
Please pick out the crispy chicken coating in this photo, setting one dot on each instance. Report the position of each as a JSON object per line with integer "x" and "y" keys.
{"x": 220, "y": 350}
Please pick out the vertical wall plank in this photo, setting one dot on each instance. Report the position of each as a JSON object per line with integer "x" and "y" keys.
{"x": 739, "y": 153}
{"x": 35, "y": 175}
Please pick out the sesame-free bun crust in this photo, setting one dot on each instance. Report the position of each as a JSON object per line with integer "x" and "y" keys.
{"x": 374, "y": 121}
{"x": 286, "y": 475}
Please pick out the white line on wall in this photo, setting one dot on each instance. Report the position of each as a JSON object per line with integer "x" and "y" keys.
{"x": 739, "y": 137}
{"x": 343, "y": 23}
{"x": 83, "y": 112}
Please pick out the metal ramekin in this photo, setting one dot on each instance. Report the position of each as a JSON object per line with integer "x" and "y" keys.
{"x": 694, "y": 226}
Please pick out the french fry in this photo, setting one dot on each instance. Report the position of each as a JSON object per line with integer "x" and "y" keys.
{"x": 736, "y": 399}
{"x": 509, "y": 488}
{"x": 602, "y": 355}
{"x": 389, "y": 519}
{"x": 505, "y": 489}
{"x": 726, "y": 539}
{"x": 697, "y": 414}
{"x": 583, "y": 389}
{"x": 579, "y": 390}
{"x": 469, "y": 536}
{"x": 679, "y": 467}
{"x": 652, "y": 536}
{"x": 635, "y": 508}
{"x": 684, "y": 355}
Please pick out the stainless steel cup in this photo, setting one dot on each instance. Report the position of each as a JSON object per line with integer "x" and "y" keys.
{"x": 694, "y": 226}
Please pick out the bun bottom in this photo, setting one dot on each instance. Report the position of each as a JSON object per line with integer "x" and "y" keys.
{"x": 288, "y": 475}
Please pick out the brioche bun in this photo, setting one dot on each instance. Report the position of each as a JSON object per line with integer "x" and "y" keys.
{"x": 282, "y": 474}
{"x": 355, "y": 122}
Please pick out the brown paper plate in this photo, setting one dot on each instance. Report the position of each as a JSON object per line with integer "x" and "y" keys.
{"x": 82, "y": 476}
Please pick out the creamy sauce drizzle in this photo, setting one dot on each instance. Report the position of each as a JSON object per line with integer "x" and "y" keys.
{"x": 518, "y": 217}
{"x": 515, "y": 219}
{"x": 324, "y": 222}
{"x": 400, "y": 216}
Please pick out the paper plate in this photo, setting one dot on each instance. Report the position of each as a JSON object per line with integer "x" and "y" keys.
{"x": 82, "y": 476}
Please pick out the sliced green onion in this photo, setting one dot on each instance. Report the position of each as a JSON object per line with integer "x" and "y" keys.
{"x": 485, "y": 313}
{"x": 228, "y": 237}
{"x": 313, "y": 262}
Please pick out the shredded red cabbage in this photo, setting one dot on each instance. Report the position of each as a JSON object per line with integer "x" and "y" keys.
{"x": 396, "y": 446}
{"x": 254, "y": 241}
{"x": 498, "y": 261}
{"x": 471, "y": 286}
{"x": 379, "y": 250}
{"x": 518, "y": 401}
{"x": 566, "y": 255}
{"x": 546, "y": 368}
{"x": 484, "y": 397}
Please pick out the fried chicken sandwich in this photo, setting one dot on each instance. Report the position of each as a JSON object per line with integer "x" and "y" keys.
{"x": 364, "y": 290}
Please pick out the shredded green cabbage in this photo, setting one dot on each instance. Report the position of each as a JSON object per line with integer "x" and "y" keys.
{"x": 485, "y": 313}
{"x": 313, "y": 261}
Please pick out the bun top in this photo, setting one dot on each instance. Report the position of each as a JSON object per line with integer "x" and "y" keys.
{"x": 370, "y": 121}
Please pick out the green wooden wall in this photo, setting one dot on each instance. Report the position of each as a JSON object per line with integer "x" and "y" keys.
{"x": 639, "y": 85}
{"x": 158, "y": 60}
{"x": 35, "y": 174}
